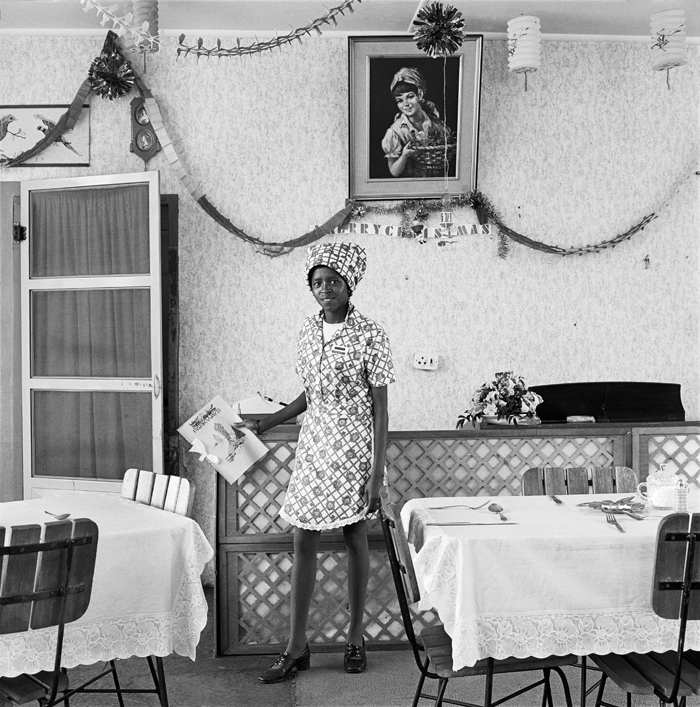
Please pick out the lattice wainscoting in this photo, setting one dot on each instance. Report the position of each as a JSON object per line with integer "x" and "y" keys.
{"x": 255, "y": 619}
{"x": 490, "y": 466}
{"x": 679, "y": 450}
{"x": 255, "y": 546}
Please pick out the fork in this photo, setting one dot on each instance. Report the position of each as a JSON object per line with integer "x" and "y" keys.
{"x": 613, "y": 521}
{"x": 458, "y": 505}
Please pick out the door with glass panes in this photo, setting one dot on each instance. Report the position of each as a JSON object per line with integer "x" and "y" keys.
{"x": 91, "y": 331}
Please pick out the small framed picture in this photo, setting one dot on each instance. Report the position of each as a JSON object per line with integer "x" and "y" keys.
{"x": 22, "y": 127}
{"x": 414, "y": 120}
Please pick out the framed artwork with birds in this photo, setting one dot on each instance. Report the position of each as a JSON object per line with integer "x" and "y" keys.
{"x": 22, "y": 127}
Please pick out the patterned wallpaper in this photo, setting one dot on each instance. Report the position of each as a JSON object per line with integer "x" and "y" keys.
{"x": 595, "y": 143}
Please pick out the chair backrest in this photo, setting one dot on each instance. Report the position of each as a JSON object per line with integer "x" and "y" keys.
{"x": 675, "y": 590}
{"x": 401, "y": 564}
{"x": 47, "y": 578}
{"x": 540, "y": 480}
{"x": 677, "y": 555}
{"x": 171, "y": 493}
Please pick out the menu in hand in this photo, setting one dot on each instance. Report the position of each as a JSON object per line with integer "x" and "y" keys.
{"x": 213, "y": 435}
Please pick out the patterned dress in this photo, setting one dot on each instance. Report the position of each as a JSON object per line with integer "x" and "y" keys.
{"x": 334, "y": 454}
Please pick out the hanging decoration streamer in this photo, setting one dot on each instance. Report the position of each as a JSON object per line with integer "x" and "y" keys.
{"x": 418, "y": 210}
{"x": 110, "y": 74}
{"x": 439, "y": 30}
{"x": 257, "y": 47}
{"x": 124, "y": 25}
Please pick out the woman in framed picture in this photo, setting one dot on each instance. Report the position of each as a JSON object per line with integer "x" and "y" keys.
{"x": 416, "y": 126}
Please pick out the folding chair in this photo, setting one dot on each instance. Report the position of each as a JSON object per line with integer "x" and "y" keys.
{"x": 541, "y": 480}
{"x": 675, "y": 593}
{"x": 170, "y": 493}
{"x": 435, "y": 643}
{"x": 47, "y": 581}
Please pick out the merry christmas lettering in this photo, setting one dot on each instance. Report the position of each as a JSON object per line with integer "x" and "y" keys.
{"x": 397, "y": 230}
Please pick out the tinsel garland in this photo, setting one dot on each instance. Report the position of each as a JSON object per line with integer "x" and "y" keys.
{"x": 439, "y": 29}
{"x": 276, "y": 43}
{"x": 418, "y": 209}
{"x": 110, "y": 74}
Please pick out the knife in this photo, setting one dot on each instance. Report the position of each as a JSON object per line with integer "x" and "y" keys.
{"x": 459, "y": 522}
{"x": 556, "y": 500}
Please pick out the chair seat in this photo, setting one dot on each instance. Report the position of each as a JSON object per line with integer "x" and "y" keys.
{"x": 645, "y": 673}
{"x": 23, "y": 689}
{"x": 438, "y": 646}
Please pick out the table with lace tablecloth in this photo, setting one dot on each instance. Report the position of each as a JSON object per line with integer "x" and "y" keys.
{"x": 147, "y": 596}
{"x": 558, "y": 580}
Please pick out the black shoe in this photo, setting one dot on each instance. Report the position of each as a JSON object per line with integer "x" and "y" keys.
{"x": 355, "y": 658}
{"x": 285, "y": 664}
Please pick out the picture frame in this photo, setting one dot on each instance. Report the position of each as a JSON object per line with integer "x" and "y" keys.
{"x": 451, "y": 98}
{"x": 22, "y": 127}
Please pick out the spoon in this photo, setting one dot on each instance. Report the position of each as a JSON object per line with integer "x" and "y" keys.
{"x": 495, "y": 508}
{"x": 458, "y": 505}
{"x": 59, "y": 516}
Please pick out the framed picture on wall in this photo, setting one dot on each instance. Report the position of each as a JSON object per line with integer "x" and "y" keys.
{"x": 21, "y": 127}
{"x": 414, "y": 120}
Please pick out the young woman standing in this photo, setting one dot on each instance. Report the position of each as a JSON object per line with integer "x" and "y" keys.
{"x": 344, "y": 360}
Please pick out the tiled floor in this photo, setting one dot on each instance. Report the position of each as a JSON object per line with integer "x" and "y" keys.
{"x": 231, "y": 681}
{"x": 210, "y": 681}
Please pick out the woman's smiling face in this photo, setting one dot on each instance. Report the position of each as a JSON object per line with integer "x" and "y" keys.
{"x": 409, "y": 102}
{"x": 329, "y": 289}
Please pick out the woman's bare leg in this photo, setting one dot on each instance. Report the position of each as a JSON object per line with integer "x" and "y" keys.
{"x": 355, "y": 536}
{"x": 303, "y": 582}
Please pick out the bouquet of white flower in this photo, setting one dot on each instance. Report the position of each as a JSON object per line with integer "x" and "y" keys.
{"x": 506, "y": 397}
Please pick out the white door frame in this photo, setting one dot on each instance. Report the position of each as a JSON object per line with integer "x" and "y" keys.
{"x": 32, "y": 485}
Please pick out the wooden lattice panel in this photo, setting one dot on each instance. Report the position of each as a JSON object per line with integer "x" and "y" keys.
{"x": 260, "y": 581}
{"x": 260, "y": 494}
{"x": 255, "y": 544}
{"x": 680, "y": 453}
{"x": 492, "y": 466}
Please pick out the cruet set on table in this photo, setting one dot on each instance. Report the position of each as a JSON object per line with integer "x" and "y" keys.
{"x": 663, "y": 490}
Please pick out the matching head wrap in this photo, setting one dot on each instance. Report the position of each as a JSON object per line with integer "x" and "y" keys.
{"x": 409, "y": 75}
{"x": 347, "y": 259}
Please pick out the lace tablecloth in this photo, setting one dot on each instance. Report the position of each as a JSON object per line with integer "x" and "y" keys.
{"x": 559, "y": 580}
{"x": 147, "y": 597}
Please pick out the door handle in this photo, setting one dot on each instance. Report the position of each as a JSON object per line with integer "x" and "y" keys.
{"x": 156, "y": 385}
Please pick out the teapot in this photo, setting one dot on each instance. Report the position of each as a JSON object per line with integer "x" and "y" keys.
{"x": 659, "y": 488}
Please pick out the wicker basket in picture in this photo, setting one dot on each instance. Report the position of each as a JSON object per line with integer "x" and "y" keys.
{"x": 433, "y": 157}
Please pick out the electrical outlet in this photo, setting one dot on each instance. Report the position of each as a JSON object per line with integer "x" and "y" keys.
{"x": 425, "y": 361}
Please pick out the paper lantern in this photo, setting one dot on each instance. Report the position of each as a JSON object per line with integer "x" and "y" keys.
{"x": 524, "y": 44}
{"x": 146, "y": 19}
{"x": 668, "y": 40}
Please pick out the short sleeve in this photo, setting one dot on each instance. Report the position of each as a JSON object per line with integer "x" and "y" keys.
{"x": 380, "y": 365}
{"x": 391, "y": 144}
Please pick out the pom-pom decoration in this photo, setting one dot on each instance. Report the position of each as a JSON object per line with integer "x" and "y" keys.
{"x": 439, "y": 29}
{"x": 110, "y": 74}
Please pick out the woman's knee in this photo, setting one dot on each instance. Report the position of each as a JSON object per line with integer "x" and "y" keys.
{"x": 355, "y": 536}
{"x": 306, "y": 541}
